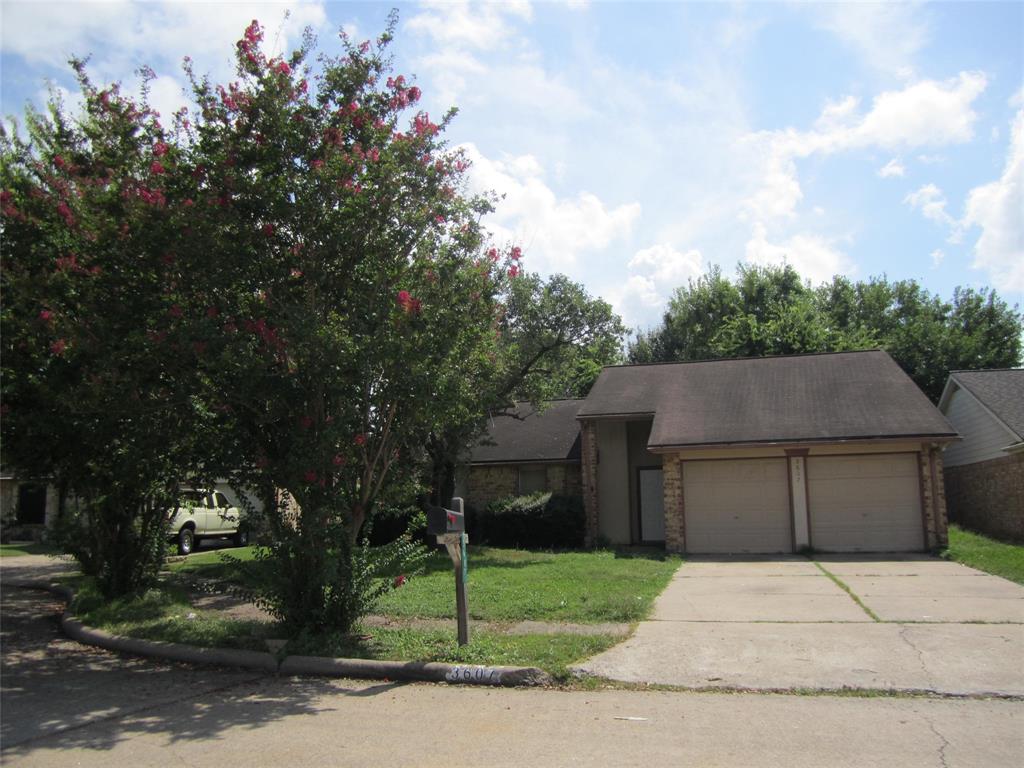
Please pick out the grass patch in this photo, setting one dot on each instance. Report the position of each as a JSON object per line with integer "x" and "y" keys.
{"x": 28, "y": 548}
{"x": 517, "y": 585}
{"x": 221, "y": 564}
{"x": 853, "y": 596}
{"x": 163, "y": 613}
{"x": 986, "y": 554}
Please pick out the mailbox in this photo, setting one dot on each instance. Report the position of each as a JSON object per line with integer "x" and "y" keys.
{"x": 441, "y": 521}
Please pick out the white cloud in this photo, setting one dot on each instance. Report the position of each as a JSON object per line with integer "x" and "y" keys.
{"x": 927, "y": 113}
{"x": 997, "y": 208}
{"x": 888, "y": 36}
{"x": 938, "y": 256}
{"x": 553, "y": 231}
{"x": 656, "y": 272}
{"x": 893, "y": 168}
{"x": 815, "y": 258}
{"x": 476, "y": 25}
{"x": 667, "y": 266}
{"x": 932, "y": 204}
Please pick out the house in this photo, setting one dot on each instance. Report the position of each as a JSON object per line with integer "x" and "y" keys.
{"x": 837, "y": 452}
{"x": 985, "y": 472}
{"x": 526, "y": 450}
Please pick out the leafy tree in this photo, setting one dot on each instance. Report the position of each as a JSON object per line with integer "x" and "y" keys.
{"x": 97, "y": 353}
{"x": 770, "y": 311}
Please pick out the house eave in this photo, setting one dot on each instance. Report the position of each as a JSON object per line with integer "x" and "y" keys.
{"x": 940, "y": 439}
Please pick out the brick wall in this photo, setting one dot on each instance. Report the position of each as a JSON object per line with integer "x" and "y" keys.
{"x": 675, "y": 529}
{"x": 490, "y": 483}
{"x": 988, "y": 496}
{"x": 588, "y": 467}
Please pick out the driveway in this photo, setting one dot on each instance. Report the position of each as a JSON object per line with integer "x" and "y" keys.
{"x": 904, "y": 623}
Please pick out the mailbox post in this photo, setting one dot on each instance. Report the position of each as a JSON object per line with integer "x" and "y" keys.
{"x": 449, "y": 525}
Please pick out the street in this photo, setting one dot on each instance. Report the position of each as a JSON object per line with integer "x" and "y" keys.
{"x": 66, "y": 704}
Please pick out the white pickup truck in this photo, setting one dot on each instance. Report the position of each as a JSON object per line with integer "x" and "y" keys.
{"x": 202, "y": 515}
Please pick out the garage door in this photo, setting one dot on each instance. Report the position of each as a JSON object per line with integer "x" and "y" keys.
{"x": 737, "y": 506}
{"x": 865, "y": 503}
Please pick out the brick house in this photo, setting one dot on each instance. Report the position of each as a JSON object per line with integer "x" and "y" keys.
{"x": 525, "y": 451}
{"x": 985, "y": 472}
{"x": 838, "y": 452}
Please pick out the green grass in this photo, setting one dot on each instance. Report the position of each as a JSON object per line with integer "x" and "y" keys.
{"x": 853, "y": 596}
{"x": 507, "y": 585}
{"x": 985, "y": 554}
{"x": 28, "y": 548}
{"x": 216, "y": 564}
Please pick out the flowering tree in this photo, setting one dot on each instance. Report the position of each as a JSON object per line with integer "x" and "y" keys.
{"x": 97, "y": 352}
{"x": 348, "y": 305}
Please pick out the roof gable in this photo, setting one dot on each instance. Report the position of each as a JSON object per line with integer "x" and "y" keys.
{"x": 834, "y": 396}
{"x": 1000, "y": 391}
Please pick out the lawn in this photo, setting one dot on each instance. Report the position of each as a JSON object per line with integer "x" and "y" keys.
{"x": 28, "y": 548}
{"x": 505, "y": 586}
{"x": 986, "y": 554}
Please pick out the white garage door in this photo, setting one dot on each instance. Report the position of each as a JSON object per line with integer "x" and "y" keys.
{"x": 737, "y": 506}
{"x": 865, "y": 503}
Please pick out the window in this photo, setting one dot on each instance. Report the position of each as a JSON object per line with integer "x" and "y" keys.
{"x": 220, "y": 500}
{"x": 532, "y": 480}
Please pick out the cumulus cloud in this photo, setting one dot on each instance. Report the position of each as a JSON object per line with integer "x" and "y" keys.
{"x": 553, "y": 231}
{"x": 932, "y": 204}
{"x": 937, "y": 256}
{"x": 888, "y": 36}
{"x": 814, "y": 257}
{"x": 996, "y": 208}
{"x": 667, "y": 266}
{"x": 476, "y": 25}
{"x": 893, "y": 168}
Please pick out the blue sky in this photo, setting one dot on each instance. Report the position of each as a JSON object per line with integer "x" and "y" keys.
{"x": 636, "y": 144}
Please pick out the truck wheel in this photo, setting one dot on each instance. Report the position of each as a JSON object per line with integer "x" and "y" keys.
{"x": 241, "y": 538}
{"x": 186, "y": 541}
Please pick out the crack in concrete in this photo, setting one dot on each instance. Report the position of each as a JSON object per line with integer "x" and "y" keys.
{"x": 943, "y": 746}
{"x": 920, "y": 656}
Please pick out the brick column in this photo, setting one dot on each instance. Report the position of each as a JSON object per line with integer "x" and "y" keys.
{"x": 940, "y": 517}
{"x": 933, "y": 497}
{"x": 675, "y": 525}
{"x": 588, "y": 467}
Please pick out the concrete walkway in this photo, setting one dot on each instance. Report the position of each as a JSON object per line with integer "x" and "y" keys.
{"x": 908, "y": 623}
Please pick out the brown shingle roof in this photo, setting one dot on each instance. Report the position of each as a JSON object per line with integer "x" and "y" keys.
{"x": 1001, "y": 391}
{"x": 801, "y": 398}
{"x": 531, "y": 436}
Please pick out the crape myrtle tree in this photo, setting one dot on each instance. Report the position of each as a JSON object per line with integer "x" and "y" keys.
{"x": 348, "y": 304}
{"x": 97, "y": 355}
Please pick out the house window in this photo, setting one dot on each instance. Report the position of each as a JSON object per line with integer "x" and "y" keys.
{"x": 532, "y": 480}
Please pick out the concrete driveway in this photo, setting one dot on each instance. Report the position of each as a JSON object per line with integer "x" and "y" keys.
{"x": 895, "y": 623}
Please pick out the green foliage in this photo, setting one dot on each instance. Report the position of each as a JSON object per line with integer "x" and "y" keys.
{"x": 976, "y": 550}
{"x": 770, "y": 311}
{"x": 539, "y": 520}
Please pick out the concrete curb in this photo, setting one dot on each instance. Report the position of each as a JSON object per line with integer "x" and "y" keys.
{"x": 291, "y": 665}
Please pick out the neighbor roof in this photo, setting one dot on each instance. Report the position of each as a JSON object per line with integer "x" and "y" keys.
{"x": 525, "y": 434}
{"x": 1001, "y": 391}
{"x": 799, "y": 398}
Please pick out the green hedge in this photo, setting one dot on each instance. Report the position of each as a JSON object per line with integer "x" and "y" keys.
{"x": 537, "y": 521}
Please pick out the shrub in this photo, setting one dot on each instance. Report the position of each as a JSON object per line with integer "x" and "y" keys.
{"x": 536, "y": 521}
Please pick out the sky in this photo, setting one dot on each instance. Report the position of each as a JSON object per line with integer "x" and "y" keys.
{"x": 637, "y": 144}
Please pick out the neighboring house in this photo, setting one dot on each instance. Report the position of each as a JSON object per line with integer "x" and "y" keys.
{"x": 27, "y": 507}
{"x": 838, "y": 452}
{"x": 985, "y": 472}
{"x": 525, "y": 451}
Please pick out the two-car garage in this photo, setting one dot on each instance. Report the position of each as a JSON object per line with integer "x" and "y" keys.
{"x": 851, "y": 503}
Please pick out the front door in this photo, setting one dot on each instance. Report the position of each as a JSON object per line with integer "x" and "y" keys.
{"x": 652, "y": 504}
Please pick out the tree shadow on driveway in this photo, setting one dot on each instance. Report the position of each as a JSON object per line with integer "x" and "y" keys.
{"x": 58, "y": 694}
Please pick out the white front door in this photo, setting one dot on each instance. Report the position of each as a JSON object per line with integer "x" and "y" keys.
{"x": 652, "y": 505}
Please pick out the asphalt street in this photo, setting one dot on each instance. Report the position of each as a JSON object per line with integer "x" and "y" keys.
{"x": 67, "y": 704}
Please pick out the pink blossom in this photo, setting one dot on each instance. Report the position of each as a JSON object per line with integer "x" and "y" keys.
{"x": 310, "y": 476}
{"x": 283, "y": 68}
{"x": 516, "y": 254}
{"x": 513, "y": 270}
{"x": 175, "y": 311}
{"x": 400, "y": 580}
{"x": 156, "y": 167}
{"x": 58, "y": 347}
{"x": 160, "y": 149}
{"x": 492, "y": 253}
{"x": 296, "y": 273}
{"x": 58, "y": 161}
{"x": 268, "y": 229}
{"x": 364, "y": 46}
{"x": 65, "y": 212}
{"x": 338, "y": 460}
{"x": 46, "y": 315}
{"x": 187, "y": 202}
{"x": 317, "y": 164}
{"x": 359, "y": 439}
{"x": 414, "y": 94}
{"x": 373, "y": 154}
{"x": 439, "y": 219}
{"x": 212, "y": 312}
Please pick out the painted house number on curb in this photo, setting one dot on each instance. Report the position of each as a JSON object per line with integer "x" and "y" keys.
{"x": 474, "y": 675}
